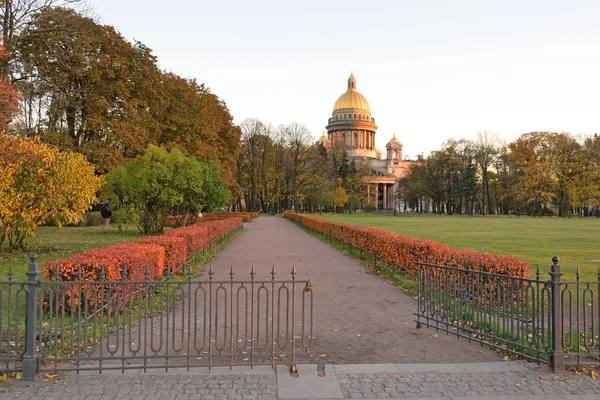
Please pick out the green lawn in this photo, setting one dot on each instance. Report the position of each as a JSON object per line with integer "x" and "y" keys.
{"x": 51, "y": 243}
{"x": 530, "y": 239}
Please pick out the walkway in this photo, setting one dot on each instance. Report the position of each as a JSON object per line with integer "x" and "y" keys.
{"x": 359, "y": 318}
{"x": 501, "y": 380}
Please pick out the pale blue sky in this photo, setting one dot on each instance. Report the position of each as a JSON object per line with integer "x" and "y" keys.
{"x": 431, "y": 70}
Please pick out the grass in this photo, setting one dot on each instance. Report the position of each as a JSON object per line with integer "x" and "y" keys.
{"x": 51, "y": 243}
{"x": 530, "y": 239}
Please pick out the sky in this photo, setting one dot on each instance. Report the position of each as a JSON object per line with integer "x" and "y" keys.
{"x": 431, "y": 70}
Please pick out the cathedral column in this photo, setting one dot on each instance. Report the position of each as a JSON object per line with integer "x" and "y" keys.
{"x": 385, "y": 199}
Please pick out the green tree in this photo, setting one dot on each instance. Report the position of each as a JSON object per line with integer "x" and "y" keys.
{"x": 160, "y": 182}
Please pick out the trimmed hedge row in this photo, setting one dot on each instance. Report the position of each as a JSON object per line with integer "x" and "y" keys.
{"x": 154, "y": 253}
{"x": 178, "y": 220}
{"x": 133, "y": 255}
{"x": 176, "y": 250}
{"x": 247, "y": 216}
{"x": 408, "y": 251}
{"x": 172, "y": 249}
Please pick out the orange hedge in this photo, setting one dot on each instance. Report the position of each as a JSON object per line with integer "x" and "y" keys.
{"x": 136, "y": 257}
{"x": 200, "y": 235}
{"x": 247, "y": 216}
{"x": 176, "y": 249}
{"x": 408, "y": 251}
{"x": 195, "y": 236}
{"x": 220, "y": 227}
{"x": 133, "y": 255}
{"x": 183, "y": 220}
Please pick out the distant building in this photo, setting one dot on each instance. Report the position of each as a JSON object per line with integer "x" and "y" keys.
{"x": 353, "y": 128}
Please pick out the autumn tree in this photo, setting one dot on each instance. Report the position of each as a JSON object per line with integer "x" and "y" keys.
{"x": 195, "y": 121}
{"x": 298, "y": 142}
{"x": 9, "y": 100}
{"x": 37, "y": 181}
{"x": 15, "y": 17}
{"x": 485, "y": 151}
{"x": 341, "y": 197}
{"x": 90, "y": 89}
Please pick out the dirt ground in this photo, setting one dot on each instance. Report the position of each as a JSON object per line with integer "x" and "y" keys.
{"x": 358, "y": 317}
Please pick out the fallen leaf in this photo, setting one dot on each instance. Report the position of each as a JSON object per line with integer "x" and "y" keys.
{"x": 593, "y": 375}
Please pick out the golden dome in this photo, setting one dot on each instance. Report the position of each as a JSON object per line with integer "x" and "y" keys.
{"x": 324, "y": 138}
{"x": 393, "y": 142}
{"x": 351, "y": 99}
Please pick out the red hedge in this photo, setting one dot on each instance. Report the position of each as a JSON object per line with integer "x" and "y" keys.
{"x": 176, "y": 250}
{"x": 408, "y": 251}
{"x": 195, "y": 236}
{"x": 178, "y": 220}
{"x": 136, "y": 257}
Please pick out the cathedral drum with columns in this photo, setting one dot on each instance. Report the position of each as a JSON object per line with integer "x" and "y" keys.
{"x": 353, "y": 128}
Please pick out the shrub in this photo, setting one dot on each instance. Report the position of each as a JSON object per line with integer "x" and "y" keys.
{"x": 176, "y": 249}
{"x": 246, "y": 216}
{"x": 136, "y": 257}
{"x": 92, "y": 218}
{"x": 200, "y": 235}
{"x": 408, "y": 251}
{"x": 196, "y": 237}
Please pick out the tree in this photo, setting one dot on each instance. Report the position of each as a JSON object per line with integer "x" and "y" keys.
{"x": 197, "y": 122}
{"x": 160, "y": 182}
{"x": 298, "y": 139}
{"x": 38, "y": 181}
{"x": 9, "y": 100}
{"x": 93, "y": 91}
{"x": 485, "y": 151}
{"x": 533, "y": 159}
{"x": 341, "y": 198}
{"x": 15, "y": 17}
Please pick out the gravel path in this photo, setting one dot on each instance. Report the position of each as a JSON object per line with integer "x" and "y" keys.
{"x": 359, "y": 317}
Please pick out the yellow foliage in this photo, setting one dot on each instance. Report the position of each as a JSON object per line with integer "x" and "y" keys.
{"x": 341, "y": 197}
{"x": 38, "y": 181}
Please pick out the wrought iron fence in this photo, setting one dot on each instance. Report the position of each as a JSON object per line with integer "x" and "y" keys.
{"x": 548, "y": 321}
{"x": 180, "y": 322}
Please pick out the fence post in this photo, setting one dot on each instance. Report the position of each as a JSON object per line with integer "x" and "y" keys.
{"x": 29, "y": 358}
{"x": 558, "y": 357}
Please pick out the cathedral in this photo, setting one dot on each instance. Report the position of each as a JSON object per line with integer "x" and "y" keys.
{"x": 353, "y": 128}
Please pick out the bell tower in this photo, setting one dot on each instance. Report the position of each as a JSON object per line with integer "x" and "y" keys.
{"x": 394, "y": 153}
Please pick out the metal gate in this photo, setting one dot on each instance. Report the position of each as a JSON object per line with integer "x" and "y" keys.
{"x": 180, "y": 322}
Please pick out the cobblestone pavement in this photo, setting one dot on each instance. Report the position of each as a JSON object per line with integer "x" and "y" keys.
{"x": 419, "y": 385}
{"x": 505, "y": 380}
{"x": 149, "y": 387}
